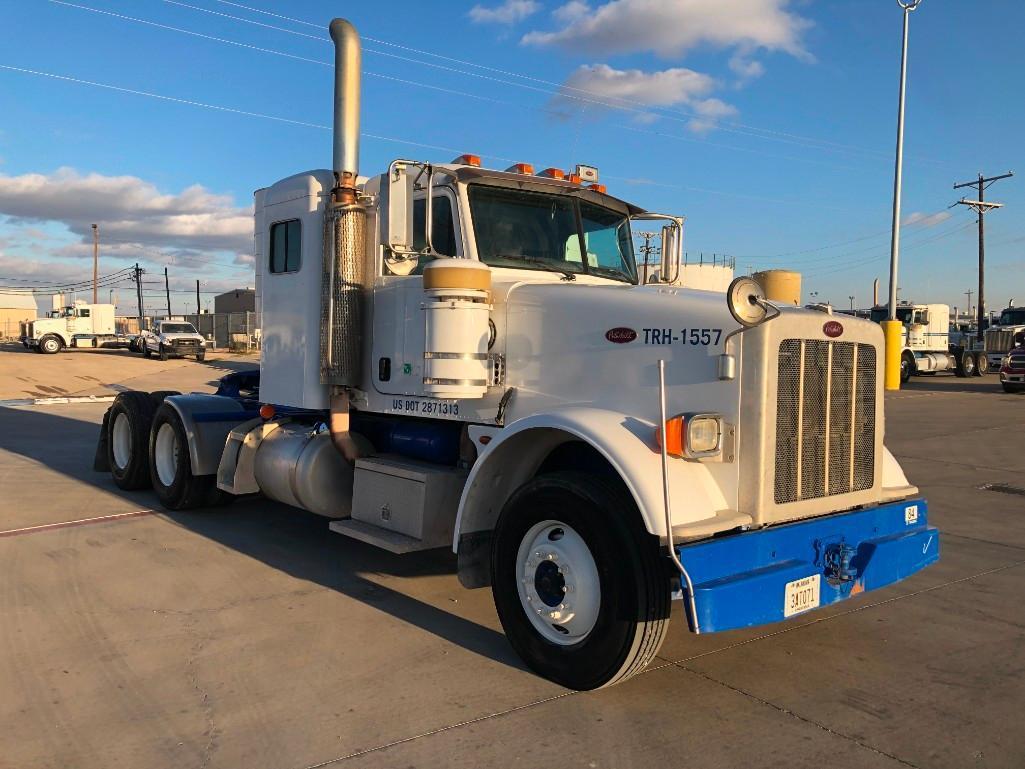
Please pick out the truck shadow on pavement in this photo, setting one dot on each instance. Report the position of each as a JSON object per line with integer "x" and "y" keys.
{"x": 287, "y": 539}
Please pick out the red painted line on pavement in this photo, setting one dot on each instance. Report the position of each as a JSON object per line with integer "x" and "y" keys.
{"x": 79, "y": 522}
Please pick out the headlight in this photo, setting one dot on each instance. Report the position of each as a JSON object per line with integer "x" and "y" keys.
{"x": 692, "y": 436}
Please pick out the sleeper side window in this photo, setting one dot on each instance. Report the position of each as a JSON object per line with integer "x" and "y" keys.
{"x": 285, "y": 246}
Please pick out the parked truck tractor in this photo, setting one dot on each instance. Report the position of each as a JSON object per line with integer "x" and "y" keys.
{"x": 64, "y": 326}
{"x": 172, "y": 339}
{"x": 458, "y": 356}
{"x": 1003, "y": 336}
{"x": 927, "y": 345}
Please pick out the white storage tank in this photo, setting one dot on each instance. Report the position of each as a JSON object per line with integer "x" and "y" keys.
{"x": 457, "y": 305}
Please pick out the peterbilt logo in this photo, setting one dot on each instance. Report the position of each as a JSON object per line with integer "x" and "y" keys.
{"x": 832, "y": 329}
{"x": 620, "y": 335}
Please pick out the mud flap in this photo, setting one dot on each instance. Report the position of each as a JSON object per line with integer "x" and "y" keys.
{"x": 100, "y": 462}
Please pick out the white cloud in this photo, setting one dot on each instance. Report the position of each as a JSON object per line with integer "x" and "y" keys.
{"x": 634, "y": 90}
{"x": 128, "y": 208}
{"x": 672, "y": 27}
{"x": 921, "y": 219}
{"x": 633, "y": 87}
{"x": 744, "y": 67}
{"x": 710, "y": 111}
{"x": 509, "y": 12}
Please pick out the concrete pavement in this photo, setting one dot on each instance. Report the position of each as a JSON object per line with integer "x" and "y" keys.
{"x": 250, "y": 636}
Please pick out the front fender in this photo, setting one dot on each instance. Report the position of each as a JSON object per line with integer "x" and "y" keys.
{"x": 514, "y": 454}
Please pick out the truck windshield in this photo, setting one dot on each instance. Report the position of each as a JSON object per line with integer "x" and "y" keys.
{"x": 177, "y": 328}
{"x": 534, "y": 230}
{"x": 1012, "y": 318}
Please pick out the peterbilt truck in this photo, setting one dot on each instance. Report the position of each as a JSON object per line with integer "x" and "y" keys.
{"x": 1005, "y": 335}
{"x": 65, "y": 326}
{"x": 927, "y": 344}
{"x": 462, "y": 357}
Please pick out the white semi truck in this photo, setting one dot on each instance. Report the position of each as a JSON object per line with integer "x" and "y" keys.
{"x": 927, "y": 344}
{"x": 66, "y": 325}
{"x": 1004, "y": 335}
{"x": 455, "y": 356}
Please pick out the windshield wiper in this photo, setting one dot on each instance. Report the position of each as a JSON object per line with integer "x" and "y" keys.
{"x": 611, "y": 272}
{"x": 546, "y": 263}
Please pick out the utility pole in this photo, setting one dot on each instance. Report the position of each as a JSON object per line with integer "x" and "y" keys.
{"x": 167, "y": 289}
{"x": 891, "y": 328}
{"x": 647, "y": 249}
{"x": 197, "y": 298}
{"x": 138, "y": 290}
{"x": 96, "y": 260}
{"x": 980, "y": 207}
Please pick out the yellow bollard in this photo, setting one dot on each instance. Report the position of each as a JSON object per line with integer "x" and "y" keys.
{"x": 894, "y": 332}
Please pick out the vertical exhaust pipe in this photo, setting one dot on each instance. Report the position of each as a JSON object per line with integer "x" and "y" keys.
{"x": 344, "y": 265}
{"x": 875, "y": 292}
{"x": 348, "y": 63}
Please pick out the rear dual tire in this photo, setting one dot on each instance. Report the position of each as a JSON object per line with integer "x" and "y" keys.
{"x": 981, "y": 364}
{"x": 128, "y": 430}
{"x": 582, "y": 590}
{"x": 170, "y": 466}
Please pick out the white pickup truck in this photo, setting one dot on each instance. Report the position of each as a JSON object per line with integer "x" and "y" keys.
{"x": 172, "y": 338}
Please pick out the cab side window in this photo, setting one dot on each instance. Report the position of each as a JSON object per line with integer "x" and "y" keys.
{"x": 285, "y": 246}
{"x": 83, "y": 313}
{"x": 443, "y": 231}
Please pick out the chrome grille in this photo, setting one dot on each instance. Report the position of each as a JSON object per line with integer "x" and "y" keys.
{"x": 999, "y": 340}
{"x": 825, "y": 419}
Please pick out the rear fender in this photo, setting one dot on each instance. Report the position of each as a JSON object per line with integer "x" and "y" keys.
{"x": 208, "y": 419}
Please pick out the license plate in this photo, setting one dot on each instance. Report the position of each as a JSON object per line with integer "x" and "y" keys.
{"x": 801, "y": 595}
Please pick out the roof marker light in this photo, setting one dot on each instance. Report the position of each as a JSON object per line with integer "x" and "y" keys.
{"x": 597, "y": 188}
{"x": 573, "y": 178}
{"x": 467, "y": 160}
{"x": 521, "y": 168}
{"x": 553, "y": 173}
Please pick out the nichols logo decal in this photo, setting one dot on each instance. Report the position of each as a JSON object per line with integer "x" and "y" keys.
{"x": 832, "y": 329}
{"x": 620, "y": 335}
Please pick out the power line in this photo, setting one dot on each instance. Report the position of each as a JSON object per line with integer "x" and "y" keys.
{"x": 602, "y": 100}
{"x": 561, "y": 86}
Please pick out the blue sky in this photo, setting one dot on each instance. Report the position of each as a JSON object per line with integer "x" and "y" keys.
{"x": 769, "y": 124}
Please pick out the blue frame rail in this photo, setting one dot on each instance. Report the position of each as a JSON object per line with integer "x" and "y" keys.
{"x": 741, "y": 580}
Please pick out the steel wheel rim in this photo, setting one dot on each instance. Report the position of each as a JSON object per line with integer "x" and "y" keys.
{"x": 165, "y": 454}
{"x": 50, "y": 345}
{"x": 121, "y": 441}
{"x": 554, "y": 559}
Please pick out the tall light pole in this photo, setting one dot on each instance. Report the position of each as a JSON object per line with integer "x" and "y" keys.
{"x": 96, "y": 260}
{"x": 892, "y": 326}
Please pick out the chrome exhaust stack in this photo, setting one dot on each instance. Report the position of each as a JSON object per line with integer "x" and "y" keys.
{"x": 344, "y": 281}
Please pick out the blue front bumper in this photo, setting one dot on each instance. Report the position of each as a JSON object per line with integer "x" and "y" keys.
{"x": 741, "y": 580}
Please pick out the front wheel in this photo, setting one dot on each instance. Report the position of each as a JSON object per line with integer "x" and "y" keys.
{"x": 170, "y": 465}
{"x": 581, "y": 588}
{"x": 907, "y": 367}
{"x": 981, "y": 364}
{"x": 163, "y": 352}
{"x": 50, "y": 345}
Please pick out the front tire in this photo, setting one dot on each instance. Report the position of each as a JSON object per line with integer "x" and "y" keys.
{"x": 171, "y": 466}
{"x": 581, "y": 589}
{"x": 907, "y": 368}
{"x": 163, "y": 352}
{"x": 128, "y": 425}
{"x": 50, "y": 345}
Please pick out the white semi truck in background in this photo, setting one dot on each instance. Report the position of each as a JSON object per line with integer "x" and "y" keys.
{"x": 455, "y": 356}
{"x": 927, "y": 346}
{"x": 66, "y": 325}
{"x": 1006, "y": 334}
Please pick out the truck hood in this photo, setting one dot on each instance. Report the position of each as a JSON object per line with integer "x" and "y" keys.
{"x": 177, "y": 337}
{"x": 600, "y": 344}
